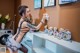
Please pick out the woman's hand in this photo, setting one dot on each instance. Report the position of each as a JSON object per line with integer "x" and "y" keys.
{"x": 43, "y": 21}
{"x": 24, "y": 30}
{"x": 45, "y": 18}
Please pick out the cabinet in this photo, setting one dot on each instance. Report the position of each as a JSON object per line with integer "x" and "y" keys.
{"x": 39, "y": 42}
{"x": 6, "y": 31}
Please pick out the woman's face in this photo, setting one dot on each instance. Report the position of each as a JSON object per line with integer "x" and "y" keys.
{"x": 27, "y": 12}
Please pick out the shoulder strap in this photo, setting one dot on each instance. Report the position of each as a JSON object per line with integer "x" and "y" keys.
{"x": 19, "y": 30}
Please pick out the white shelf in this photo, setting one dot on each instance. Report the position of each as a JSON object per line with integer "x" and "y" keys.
{"x": 74, "y": 46}
{"x": 42, "y": 50}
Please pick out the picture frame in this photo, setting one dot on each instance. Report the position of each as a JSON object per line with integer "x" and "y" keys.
{"x": 48, "y": 3}
{"x": 66, "y": 1}
{"x": 37, "y": 4}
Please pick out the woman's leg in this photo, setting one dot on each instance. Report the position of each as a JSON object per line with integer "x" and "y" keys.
{"x": 10, "y": 51}
{"x": 23, "y": 49}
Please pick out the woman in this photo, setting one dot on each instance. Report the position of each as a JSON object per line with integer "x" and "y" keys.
{"x": 23, "y": 27}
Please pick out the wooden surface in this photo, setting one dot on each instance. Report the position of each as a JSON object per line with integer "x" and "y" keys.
{"x": 7, "y": 51}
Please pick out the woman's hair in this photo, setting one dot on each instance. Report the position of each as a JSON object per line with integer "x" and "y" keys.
{"x": 22, "y": 9}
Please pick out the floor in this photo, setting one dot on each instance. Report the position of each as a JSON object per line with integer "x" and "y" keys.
{"x": 2, "y": 48}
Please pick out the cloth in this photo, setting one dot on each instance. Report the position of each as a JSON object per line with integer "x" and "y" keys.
{"x": 12, "y": 44}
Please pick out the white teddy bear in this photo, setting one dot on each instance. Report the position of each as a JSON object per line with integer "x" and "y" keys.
{"x": 55, "y": 31}
{"x": 50, "y": 31}
{"x": 64, "y": 34}
{"x": 61, "y": 33}
{"x": 67, "y": 35}
{"x": 46, "y": 17}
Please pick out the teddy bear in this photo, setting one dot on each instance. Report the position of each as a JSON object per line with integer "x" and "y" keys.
{"x": 67, "y": 35}
{"x": 55, "y": 31}
{"x": 50, "y": 32}
{"x": 61, "y": 33}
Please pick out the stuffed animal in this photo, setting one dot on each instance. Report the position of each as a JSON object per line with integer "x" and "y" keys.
{"x": 46, "y": 17}
{"x": 64, "y": 34}
{"x": 55, "y": 31}
{"x": 61, "y": 33}
{"x": 67, "y": 35}
{"x": 46, "y": 29}
{"x": 50, "y": 31}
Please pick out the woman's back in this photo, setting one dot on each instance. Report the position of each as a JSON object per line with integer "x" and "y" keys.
{"x": 23, "y": 29}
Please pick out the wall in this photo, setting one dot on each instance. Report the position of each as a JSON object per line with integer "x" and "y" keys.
{"x": 54, "y": 15}
{"x": 7, "y": 6}
{"x": 69, "y": 19}
{"x": 17, "y": 4}
{"x": 66, "y": 16}
{"x": 30, "y": 4}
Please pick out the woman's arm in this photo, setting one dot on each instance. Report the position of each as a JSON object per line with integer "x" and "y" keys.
{"x": 39, "y": 25}
{"x": 34, "y": 27}
{"x": 43, "y": 21}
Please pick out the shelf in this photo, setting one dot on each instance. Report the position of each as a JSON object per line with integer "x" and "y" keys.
{"x": 37, "y": 42}
{"x": 29, "y": 43}
{"x": 42, "y": 50}
{"x": 74, "y": 46}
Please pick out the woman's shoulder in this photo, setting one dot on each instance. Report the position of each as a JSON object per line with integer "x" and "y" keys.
{"x": 24, "y": 24}
{"x": 21, "y": 22}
